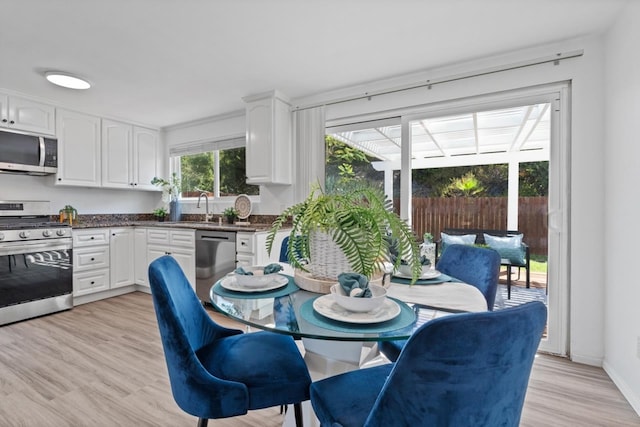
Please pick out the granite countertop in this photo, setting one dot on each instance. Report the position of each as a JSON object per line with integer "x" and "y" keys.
{"x": 195, "y": 225}
{"x": 257, "y": 223}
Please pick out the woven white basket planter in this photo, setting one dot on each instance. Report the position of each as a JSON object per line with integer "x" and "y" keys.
{"x": 327, "y": 259}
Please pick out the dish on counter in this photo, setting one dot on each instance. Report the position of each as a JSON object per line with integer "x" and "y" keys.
{"x": 243, "y": 206}
{"x": 231, "y": 283}
{"x": 328, "y": 307}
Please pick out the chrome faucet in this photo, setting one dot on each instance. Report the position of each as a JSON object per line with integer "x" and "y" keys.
{"x": 207, "y": 216}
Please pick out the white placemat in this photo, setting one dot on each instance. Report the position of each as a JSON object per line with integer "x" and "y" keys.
{"x": 453, "y": 295}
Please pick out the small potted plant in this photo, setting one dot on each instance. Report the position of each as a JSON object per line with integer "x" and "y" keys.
{"x": 231, "y": 214}
{"x": 160, "y": 214}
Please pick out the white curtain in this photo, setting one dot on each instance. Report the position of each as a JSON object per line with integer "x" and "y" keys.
{"x": 308, "y": 133}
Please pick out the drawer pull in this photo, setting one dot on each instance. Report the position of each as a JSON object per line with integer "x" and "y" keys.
{"x": 92, "y": 237}
{"x": 93, "y": 259}
{"x": 93, "y": 282}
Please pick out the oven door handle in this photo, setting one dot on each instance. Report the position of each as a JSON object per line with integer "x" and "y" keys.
{"x": 17, "y": 248}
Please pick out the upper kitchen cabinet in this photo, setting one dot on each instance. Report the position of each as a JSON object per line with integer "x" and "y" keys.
{"x": 147, "y": 157}
{"x": 131, "y": 156}
{"x": 269, "y": 148}
{"x": 78, "y": 149}
{"x": 23, "y": 114}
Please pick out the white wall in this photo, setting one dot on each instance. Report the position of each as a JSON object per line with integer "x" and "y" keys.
{"x": 85, "y": 200}
{"x": 621, "y": 176}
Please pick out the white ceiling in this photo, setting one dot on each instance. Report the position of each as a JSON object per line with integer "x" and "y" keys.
{"x": 163, "y": 62}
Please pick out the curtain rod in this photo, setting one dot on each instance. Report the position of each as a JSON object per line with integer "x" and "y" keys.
{"x": 555, "y": 59}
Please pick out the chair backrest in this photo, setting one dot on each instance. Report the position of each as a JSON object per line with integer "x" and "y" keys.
{"x": 476, "y": 266}
{"x": 463, "y": 370}
{"x": 284, "y": 250}
{"x": 185, "y": 327}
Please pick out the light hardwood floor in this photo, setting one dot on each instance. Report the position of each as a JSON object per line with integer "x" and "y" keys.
{"x": 101, "y": 364}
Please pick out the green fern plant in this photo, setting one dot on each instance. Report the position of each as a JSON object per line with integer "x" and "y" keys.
{"x": 358, "y": 219}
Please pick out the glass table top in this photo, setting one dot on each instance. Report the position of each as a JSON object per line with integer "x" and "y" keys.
{"x": 294, "y": 314}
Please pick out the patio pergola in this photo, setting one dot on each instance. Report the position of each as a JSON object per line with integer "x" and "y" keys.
{"x": 505, "y": 136}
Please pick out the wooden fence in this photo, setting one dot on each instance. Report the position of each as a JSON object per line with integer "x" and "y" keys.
{"x": 434, "y": 214}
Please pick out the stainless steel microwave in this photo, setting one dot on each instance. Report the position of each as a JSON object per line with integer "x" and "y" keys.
{"x": 27, "y": 154}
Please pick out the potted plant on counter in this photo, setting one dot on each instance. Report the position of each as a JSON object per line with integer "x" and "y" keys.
{"x": 170, "y": 191}
{"x": 354, "y": 221}
{"x": 160, "y": 214}
{"x": 231, "y": 214}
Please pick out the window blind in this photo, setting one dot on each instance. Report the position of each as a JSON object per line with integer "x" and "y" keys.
{"x": 203, "y": 147}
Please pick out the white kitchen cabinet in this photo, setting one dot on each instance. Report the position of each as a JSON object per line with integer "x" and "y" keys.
{"x": 269, "y": 147}
{"x": 141, "y": 265}
{"x": 78, "y": 149}
{"x": 180, "y": 244}
{"x": 26, "y": 115}
{"x": 251, "y": 248}
{"x": 116, "y": 144}
{"x": 90, "y": 261}
{"x": 121, "y": 259}
{"x": 131, "y": 156}
{"x": 147, "y": 156}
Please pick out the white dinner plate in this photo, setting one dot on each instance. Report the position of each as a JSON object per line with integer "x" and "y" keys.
{"x": 431, "y": 274}
{"x": 230, "y": 283}
{"x": 328, "y": 307}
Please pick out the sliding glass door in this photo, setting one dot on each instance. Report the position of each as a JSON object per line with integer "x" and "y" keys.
{"x": 499, "y": 163}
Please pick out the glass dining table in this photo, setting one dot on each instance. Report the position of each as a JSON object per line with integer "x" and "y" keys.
{"x": 334, "y": 339}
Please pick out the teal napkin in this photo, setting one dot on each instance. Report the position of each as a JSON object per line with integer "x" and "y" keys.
{"x": 241, "y": 271}
{"x": 350, "y": 281}
{"x": 272, "y": 268}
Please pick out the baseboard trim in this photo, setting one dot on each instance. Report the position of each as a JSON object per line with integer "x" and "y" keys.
{"x": 84, "y": 299}
{"x": 627, "y": 392}
{"x": 586, "y": 360}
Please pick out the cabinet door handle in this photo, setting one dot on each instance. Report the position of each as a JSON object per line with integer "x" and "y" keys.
{"x": 12, "y": 122}
{"x": 4, "y": 120}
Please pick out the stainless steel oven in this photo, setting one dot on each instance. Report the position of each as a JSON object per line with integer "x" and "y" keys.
{"x": 36, "y": 262}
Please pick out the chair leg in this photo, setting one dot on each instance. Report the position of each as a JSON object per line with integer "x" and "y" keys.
{"x": 297, "y": 407}
{"x": 508, "y": 282}
{"x": 202, "y": 422}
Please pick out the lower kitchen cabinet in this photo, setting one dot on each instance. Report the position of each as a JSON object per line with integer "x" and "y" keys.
{"x": 180, "y": 244}
{"x": 90, "y": 261}
{"x": 121, "y": 247}
{"x": 141, "y": 265}
{"x": 251, "y": 248}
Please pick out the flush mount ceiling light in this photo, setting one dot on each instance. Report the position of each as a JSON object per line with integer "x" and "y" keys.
{"x": 67, "y": 80}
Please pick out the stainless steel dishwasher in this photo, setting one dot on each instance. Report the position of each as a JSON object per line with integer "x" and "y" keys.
{"x": 215, "y": 257}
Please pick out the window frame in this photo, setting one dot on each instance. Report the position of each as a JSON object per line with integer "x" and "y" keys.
{"x": 200, "y": 147}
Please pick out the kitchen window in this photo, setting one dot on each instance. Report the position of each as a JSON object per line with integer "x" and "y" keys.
{"x": 216, "y": 167}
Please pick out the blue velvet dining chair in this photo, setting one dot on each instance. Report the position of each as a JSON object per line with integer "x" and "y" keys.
{"x": 463, "y": 370}
{"x": 479, "y": 267}
{"x": 216, "y": 372}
